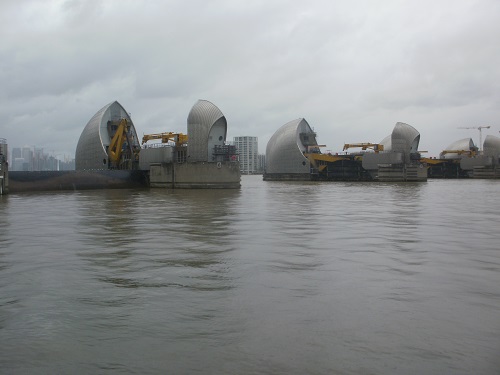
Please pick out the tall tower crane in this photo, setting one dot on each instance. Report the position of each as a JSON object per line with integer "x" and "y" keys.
{"x": 480, "y": 128}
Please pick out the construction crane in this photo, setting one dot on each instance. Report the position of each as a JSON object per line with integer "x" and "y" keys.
{"x": 480, "y": 128}
{"x": 179, "y": 138}
{"x": 374, "y": 146}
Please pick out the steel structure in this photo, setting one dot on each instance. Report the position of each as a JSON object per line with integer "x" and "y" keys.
{"x": 492, "y": 147}
{"x": 462, "y": 148}
{"x": 178, "y": 138}
{"x": 404, "y": 138}
{"x": 286, "y": 148}
{"x": 93, "y": 146}
{"x": 206, "y": 129}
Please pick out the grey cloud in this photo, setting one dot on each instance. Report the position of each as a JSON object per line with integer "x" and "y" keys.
{"x": 352, "y": 69}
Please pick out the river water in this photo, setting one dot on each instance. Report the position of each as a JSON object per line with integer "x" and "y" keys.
{"x": 274, "y": 278}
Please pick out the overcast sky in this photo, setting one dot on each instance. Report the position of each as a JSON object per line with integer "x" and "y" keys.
{"x": 351, "y": 68}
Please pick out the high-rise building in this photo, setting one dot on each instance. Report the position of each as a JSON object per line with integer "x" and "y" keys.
{"x": 17, "y": 153}
{"x": 262, "y": 163}
{"x": 17, "y": 162}
{"x": 248, "y": 151}
{"x": 27, "y": 154}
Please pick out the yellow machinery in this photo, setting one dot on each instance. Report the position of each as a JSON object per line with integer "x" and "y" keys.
{"x": 178, "y": 138}
{"x": 364, "y": 146}
{"x": 122, "y": 154}
{"x": 470, "y": 153}
{"x": 430, "y": 161}
{"x": 320, "y": 161}
{"x": 118, "y": 143}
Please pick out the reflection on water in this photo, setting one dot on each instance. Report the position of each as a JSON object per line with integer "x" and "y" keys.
{"x": 351, "y": 278}
{"x": 142, "y": 237}
{"x": 5, "y": 241}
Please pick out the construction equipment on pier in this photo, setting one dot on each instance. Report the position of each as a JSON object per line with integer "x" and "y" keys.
{"x": 364, "y": 146}
{"x": 121, "y": 152}
{"x": 178, "y": 138}
{"x": 469, "y": 153}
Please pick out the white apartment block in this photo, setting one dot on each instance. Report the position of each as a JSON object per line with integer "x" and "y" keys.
{"x": 248, "y": 151}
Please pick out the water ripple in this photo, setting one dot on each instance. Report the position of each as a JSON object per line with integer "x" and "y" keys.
{"x": 273, "y": 278}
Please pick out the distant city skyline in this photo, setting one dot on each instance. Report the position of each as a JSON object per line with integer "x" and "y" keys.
{"x": 33, "y": 158}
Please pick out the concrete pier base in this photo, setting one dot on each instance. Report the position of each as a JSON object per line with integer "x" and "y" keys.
{"x": 4, "y": 168}
{"x": 287, "y": 177}
{"x": 401, "y": 172}
{"x": 486, "y": 172}
{"x": 76, "y": 180}
{"x": 200, "y": 175}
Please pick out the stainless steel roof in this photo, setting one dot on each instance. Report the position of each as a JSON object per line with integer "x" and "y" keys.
{"x": 206, "y": 128}
{"x": 204, "y": 113}
{"x": 91, "y": 148}
{"x": 404, "y": 138}
{"x": 284, "y": 151}
{"x": 465, "y": 144}
{"x": 491, "y": 146}
{"x": 386, "y": 142}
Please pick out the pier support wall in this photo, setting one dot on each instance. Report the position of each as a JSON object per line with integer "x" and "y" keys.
{"x": 4, "y": 168}
{"x": 287, "y": 177}
{"x": 401, "y": 172}
{"x": 4, "y": 177}
{"x": 198, "y": 175}
{"x": 76, "y": 180}
{"x": 487, "y": 172}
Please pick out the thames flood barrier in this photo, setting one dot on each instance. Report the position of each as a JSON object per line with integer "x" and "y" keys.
{"x": 293, "y": 154}
{"x": 110, "y": 155}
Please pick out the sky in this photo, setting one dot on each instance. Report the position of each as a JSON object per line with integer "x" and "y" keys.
{"x": 351, "y": 68}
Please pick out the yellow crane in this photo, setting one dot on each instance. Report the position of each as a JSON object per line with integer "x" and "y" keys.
{"x": 459, "y": 152}
{"x": 118, "y": 141}
{"x": 178, "y": 138}
{"x": 374, "y": 146}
